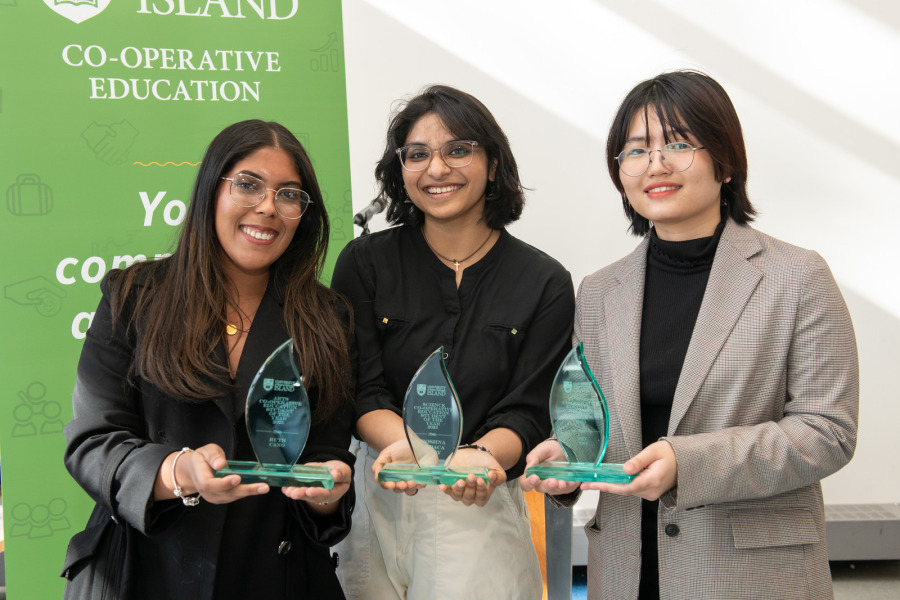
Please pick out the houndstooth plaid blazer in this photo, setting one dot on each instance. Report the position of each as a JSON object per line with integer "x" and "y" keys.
{"x": 766, "y": 406}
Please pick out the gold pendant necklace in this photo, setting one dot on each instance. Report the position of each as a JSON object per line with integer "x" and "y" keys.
{"x": 232, "y": 329}
{"x": 455, "y": 262}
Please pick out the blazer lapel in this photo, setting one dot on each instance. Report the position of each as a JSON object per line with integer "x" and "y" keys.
{"x": 623, "y": 306}
{"x": 732, "y": 281}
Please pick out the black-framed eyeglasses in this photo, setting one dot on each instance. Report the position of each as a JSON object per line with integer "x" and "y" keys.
{"x": 676, "y": 156}
{"x": 247, "y": 190}
{"x": 456, "y": 154}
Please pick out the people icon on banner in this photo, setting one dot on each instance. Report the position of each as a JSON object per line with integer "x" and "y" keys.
{"x": 38, "y": 520}
{"x": 34, "y": 414}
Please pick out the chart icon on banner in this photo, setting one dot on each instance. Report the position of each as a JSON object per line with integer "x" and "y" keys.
{"x": 328, "y": 56}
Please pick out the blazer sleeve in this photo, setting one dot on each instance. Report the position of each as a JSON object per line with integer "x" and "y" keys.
{"x": 107, "y": 450}
{"x": 815, "y": 434}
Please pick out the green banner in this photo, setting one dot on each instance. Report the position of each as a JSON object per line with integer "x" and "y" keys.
{"x": 106, "y": 108}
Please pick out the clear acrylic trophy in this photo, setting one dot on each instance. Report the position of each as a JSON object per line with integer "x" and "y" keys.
{"x": 278, "y": 419}
{"x": 433, "y": 422}
{"x": 581, "y": 424}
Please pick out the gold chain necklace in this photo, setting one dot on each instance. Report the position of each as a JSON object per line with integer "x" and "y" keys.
{"x": 232, "y": 329}
{"x": 455, "y": 262}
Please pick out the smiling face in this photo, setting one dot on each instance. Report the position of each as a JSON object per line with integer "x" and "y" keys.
{"x": 444, "y": 193}
{"x": 683, "y": 205}
{"x": 252, "y": 238}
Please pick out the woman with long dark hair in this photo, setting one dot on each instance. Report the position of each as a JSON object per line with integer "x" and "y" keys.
{"x": 163, "y": 380}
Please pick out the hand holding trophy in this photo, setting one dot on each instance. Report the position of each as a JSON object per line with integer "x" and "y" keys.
{"x": 581, "y": 424}
{"x": 278, "y": 419}
{"x": 433, "y": 421}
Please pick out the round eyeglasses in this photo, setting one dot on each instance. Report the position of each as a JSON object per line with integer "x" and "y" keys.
{"x": 675, "y": 156}
{"x": 417, "y": 157}
{"x": 247, "y": 190}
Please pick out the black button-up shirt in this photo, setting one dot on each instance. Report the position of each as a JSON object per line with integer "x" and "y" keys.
{"x": 505, "y": 330}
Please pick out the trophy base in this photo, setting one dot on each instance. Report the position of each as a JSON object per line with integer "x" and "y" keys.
{"x": 397, "y": 472}
{"x": 279, "y": 476}
{"x": 586, "y": 472}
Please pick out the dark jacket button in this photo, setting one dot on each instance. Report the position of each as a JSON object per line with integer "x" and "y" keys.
{"x": 284, "y": 547}
{"x": 672, "y": 530}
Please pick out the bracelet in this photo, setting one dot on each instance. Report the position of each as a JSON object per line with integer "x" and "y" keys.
{"x": 191, "y": 500}
{"x": 474, "y": 447}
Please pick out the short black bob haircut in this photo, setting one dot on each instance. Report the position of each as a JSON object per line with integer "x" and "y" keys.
{"x": 468, "y": 119}
{"x": 687, "y": 102}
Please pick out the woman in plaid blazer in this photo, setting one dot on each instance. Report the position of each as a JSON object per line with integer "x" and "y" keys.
{"x": 729, "y": 364}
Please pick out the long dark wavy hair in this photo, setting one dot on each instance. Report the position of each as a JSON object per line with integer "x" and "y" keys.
{"x": 687, "y": 101}
{"x": 180, "y": 301}
{"x": 468, "y": 119}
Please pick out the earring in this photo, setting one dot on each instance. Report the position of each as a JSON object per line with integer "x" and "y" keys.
{"x": 489, "y": 190}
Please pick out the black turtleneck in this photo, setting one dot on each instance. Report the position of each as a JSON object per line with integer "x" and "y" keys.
{"x": 676, "y": 278}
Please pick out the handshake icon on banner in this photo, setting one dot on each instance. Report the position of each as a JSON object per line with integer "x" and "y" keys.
{"x": 110, "y": 143}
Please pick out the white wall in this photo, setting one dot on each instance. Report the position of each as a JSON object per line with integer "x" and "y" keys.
{"x": 815, "y": 82}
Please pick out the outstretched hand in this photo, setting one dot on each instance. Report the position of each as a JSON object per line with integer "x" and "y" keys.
{"x": 473, "y": 490}
{"x": 546, "y": 451}
{"x": 656, "y": 469}
{"x": 398, "y": 452}
{"x": 194, "y": 473}
{"x": 320, "y": 498}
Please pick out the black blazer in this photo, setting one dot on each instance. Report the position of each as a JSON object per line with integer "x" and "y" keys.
{"x": 123, "y": 430}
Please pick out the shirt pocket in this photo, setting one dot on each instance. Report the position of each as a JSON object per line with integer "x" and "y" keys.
{"x": 390, "y": 326}
{"x": 503, "y": 330}
{"x": 502, "y": 342}
{"x": 769, "y": 528}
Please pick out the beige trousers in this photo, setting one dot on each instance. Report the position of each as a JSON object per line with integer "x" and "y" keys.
{"x": 429, "y": 547}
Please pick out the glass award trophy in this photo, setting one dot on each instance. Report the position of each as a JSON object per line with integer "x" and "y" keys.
{"x": 581, "y": 424}
{"x": 278, "y": 418}
{"x": 433, "y": 421}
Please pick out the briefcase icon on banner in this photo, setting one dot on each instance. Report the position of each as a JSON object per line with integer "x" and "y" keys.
{"x": 29, "y": 196}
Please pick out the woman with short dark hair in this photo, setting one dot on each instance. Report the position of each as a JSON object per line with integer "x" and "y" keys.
{"x": 450, "y": 275}
{"x": 690, "y": 103}
{"x": 468, "y": 119}
{"x": 162, "y": 385}
{"x": 729, "y": 364}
